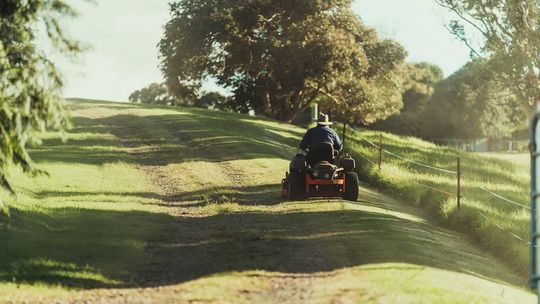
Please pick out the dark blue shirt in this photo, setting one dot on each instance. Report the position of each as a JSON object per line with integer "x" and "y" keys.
{"x": 321, "y": 134}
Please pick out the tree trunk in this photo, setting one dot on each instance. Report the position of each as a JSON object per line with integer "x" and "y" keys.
{"x": 267, "y": 103}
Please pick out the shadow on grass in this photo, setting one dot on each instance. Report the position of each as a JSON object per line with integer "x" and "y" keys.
{"x": 161, "y": 140}
{"x": 105, "y": 249}
{"x": 267, "y": 194}
{"x": 75, "y": 247}
{"x": 206, "y": 138}
{"x": 304, "y": 242}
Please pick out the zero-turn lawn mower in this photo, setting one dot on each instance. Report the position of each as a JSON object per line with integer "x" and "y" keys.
{"x": 321, "y": 173}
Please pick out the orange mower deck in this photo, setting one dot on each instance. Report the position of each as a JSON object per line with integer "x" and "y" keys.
{"x": 317, "y": 192}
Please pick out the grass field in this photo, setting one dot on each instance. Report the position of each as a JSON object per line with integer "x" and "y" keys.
{"x": 159, "y": 205}
{"x": 522, "y": 159}
{"x": 504, "y": 174}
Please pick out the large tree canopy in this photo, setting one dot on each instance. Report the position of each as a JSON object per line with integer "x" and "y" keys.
{"x": 418, "y": 84}
{"x": 155, "y": 93}
{"x": 419, "y": 80}
{"x": 29, "y": 83}
{"x": 158, "y": 93}
{"x": 213, "y": 100}
{"x": 511, "y": 39}
{"x": 278, "y": 56}
{"x": 470, "y": 104}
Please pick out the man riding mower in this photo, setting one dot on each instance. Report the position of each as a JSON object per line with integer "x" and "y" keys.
{"x": 323, "y": 171}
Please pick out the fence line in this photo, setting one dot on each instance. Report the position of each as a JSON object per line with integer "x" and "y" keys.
{"x": 504, "y": 198}
{"x": 429, "y": 187}
{"x": 367, "y": 159}
{"x": 435, "y": 189}
{"x": 417, "y": 163}
{"x": 437, "y": 169}
{"x": 525, "y": 242}
{"x": 401, "y": 157}
{"x": 378, "y": 147}
{"x": 367, "y": 140}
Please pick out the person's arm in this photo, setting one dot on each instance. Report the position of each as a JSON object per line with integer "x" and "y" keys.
{"x": 304, "y": 144}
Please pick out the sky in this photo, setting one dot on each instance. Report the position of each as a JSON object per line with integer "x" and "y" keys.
{"x": 123, "y": 36}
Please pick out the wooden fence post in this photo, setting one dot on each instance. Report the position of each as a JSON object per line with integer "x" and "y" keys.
{"x": 344, "y": 133}
{"x": 379, "y": 160}
{"x": 458, "y": 182}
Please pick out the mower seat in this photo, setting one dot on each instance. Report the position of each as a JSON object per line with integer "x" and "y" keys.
{"x": 321, "y": 152}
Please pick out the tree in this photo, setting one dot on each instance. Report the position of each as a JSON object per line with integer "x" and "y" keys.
{"x": 182, "y": 93}
{"x": 214, "y": 100}
{"x": 470, "y": 104}
{"x": 511, "y": 40}
{"x": 278, "y": 57}
{"x": 30, "y": 85}
{"x": 419, "y": 80}
{"x": 418, "y": 84}
{"x": 157, "y": 93}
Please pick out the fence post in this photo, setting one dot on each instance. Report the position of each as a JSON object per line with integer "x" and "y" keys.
{"x": 458, "y": 182}
{"x": 379, "y": 160}
{"x": 344, "y": 130}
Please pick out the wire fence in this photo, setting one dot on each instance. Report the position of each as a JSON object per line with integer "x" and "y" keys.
{"x": 458, "y": 195}
{"x": 368, "y": 160}
{"x": 417, "y": 163}
{"x": 504, "y": 199}
{"x": 403, "y": 158}
{"x": 510, "y": 233}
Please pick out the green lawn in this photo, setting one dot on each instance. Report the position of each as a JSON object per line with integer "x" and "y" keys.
{"x": 152, "y": 204}
{"x": 504, "y": 174}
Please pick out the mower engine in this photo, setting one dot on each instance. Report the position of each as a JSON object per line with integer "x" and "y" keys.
{"x": 324, "y": 170}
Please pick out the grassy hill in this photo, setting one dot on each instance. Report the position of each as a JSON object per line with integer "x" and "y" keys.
{"x": 499, "y": 226}
{"x": 150, "y": 204}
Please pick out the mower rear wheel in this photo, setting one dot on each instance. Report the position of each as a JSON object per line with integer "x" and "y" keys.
{"x": 351, "y": 186}
{"x": 297, "y": 185}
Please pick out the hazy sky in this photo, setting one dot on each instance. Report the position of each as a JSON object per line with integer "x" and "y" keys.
{"x": 124, "y": 34}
